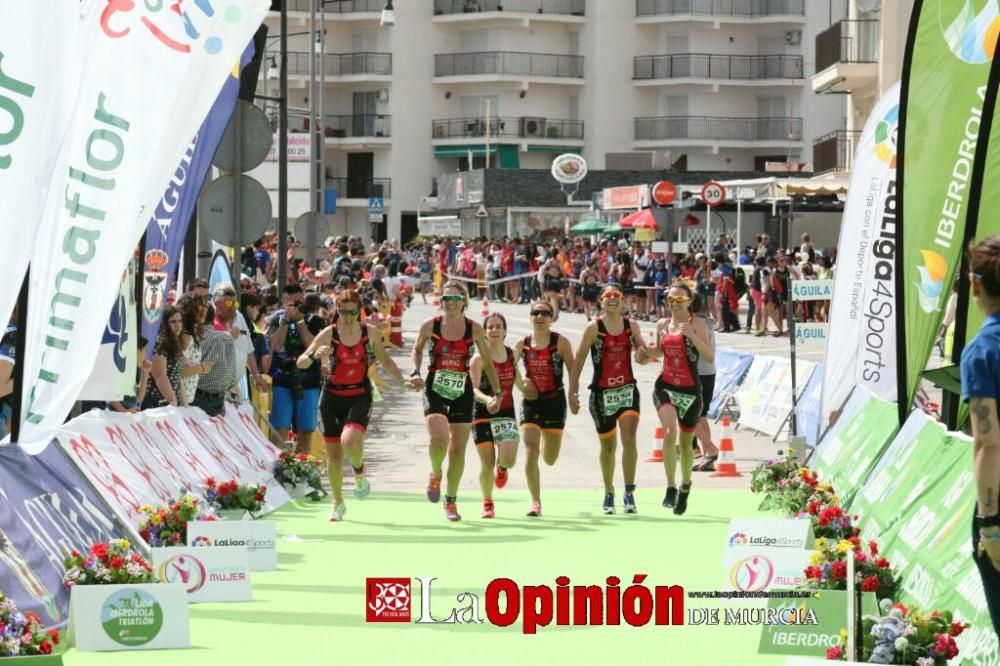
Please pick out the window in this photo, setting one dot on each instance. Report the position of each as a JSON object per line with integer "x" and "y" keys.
{"x": 771, "y": 107}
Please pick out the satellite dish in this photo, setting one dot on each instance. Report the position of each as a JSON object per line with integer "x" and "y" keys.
{"x": 869, "y": 6}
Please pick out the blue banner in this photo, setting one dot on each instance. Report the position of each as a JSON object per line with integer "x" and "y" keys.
{"x": 169, "y": 225}
{"x": 808, "y": 422}
{"x": 46, "y": 509}
{"x": 730, "y": 368}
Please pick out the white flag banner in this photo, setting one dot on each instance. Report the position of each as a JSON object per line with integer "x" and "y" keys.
{"x": 151, "y": 75}
{"x": 863, "y": 352}
{"x": 40, "y": 71}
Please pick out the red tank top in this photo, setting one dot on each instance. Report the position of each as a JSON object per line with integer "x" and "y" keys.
{"x": 349, "y": 372}
{"x": 453, "y": 355}
{"x": 544, "y": 367}
{"x": 612, "y": 357}
{"x": 680, "y": 360}
{"x": 505, "y": 369}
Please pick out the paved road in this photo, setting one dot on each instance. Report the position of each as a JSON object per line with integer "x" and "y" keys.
{"x": 396, "y": 447}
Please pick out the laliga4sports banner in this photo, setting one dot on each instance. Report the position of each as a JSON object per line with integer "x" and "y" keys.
{"x": 40, "y": 72}
{"x": 944, "y": 130}
{"x": 151, "y": 74}
{"x": 863, "y": 306}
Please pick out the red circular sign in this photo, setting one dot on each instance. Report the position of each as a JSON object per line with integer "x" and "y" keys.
{"x": 664, "y": 193}
{"x": 713, "y": 193}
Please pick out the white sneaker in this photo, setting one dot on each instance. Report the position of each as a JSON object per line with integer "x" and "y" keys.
{"x": 362, "y": 486}
{"x": 338, "y": 512}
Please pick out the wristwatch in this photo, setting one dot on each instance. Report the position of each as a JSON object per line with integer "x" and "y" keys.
{"x": 414, "y": 373}
{"x": 989, "y": 521}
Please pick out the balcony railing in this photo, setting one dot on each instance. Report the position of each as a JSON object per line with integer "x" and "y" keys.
{"x": 338, "y": 6}
{"x": 835, "y": 151}
{"x": 718, "y": 129}
{"x": 847, "y": 41}
{"x": 508, "y": 127}
{"x": 347, "y": 126}
{"x": 569, "y": 7}
{"x": 734, "y": 8}
{"x": 508, "y": 63}
{"x": 339, "y": 64}
{"x": 361, "y": 188}
{"x": 707, "y": 66}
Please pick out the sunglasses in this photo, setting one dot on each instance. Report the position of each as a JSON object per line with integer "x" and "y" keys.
{"x": 348, "y": 313}
{"x": 452, "y": 298}
{"x": 230, "y": 303}
{"x": 677, "y": 299}
{"x": 612, "y": 295}
{"x": 541, "y": 313}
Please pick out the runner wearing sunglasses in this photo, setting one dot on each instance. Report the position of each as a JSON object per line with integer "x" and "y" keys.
{"x": 683, "y": 339}
{"x": 495, "y": 421}
{"x": 448, "y": 395}
{"x": 543, "y": 410}
{"x": 614, "y": 395}
{"x": 346, "y": 405}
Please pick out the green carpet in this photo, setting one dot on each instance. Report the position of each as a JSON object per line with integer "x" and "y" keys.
{"x": 312, "y": 611}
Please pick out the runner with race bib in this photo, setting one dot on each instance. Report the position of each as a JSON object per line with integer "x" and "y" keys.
{"x": 614, "y": 395}
{"x": 543, "y": 410}
{"x": 448, "y": 396}
{"x": 346, "y": 405}
{"x": 677, "y": 393}
{"x": 495, "y": 421}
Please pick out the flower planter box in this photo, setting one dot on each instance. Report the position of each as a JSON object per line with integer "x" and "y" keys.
{"x": 233, "y": 514}
{"x": 300, "y": 490}
{"x": 128, "y": 617}
{"x": 36, "y": 660}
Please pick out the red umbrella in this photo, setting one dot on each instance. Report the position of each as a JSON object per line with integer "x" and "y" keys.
{"x": 641, "y": 219}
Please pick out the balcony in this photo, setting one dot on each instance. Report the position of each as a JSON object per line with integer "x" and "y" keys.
{"x": 704, "y": 68}
{"x": 356, "y": 191}
{"x": 508, "y": 66}
{"x": 362, "y": 66}
{"x": 847, "y": 56}
{"x": 537, "y": 130}
{"x": 835, "y": 151}
{"x": 498, "y": 12}
{"x": 342, "y": 10}
{"x": 717, "y": 132}
{"x": 720, "y": 11}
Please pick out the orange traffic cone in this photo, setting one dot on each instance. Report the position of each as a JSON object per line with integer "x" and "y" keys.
{"x": 656, "y": 454}
{"x": 725, "y": 466}
{"x": 486, "y": 308}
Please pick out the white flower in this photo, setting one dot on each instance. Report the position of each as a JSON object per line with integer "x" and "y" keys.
{"x": 896, "y": 613}
{"x": 901, "y": 644}
{"x": 885, "y": 605}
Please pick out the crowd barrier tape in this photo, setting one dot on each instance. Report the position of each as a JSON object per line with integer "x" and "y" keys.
{"x": 765, "y": 395}
{"x": 730, "y": 368}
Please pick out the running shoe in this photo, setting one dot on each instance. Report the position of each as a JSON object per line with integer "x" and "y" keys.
{"x": 682, "y": 500}
{"x": 362, "y": 486}
{"x": 488, "y": 511}
{"x": 628, "y": 503}
{"x": 536, "y": 510}
{"x": 434, "y": 488}
{"x": 499, "y": 476}
{"x": 609, "y": 504}
{"x": 451, "y": 511}
{"x": 670, "y": 499}
{"x": 338, "y": 512}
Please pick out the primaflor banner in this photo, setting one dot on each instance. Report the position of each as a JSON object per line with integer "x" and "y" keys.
{"x": 150, "y": 77}
{"x": 863, "y": 306}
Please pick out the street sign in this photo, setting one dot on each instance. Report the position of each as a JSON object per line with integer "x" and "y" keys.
{"x": 713, "y": 193}
{"x": 376, "y": 218}
{"x": 255, "y": 140}
{"x": 482, "y": 212}
{"x": 376, "y": 205}
{"x": 812, "y": 290}
{"x": 217, "y": 210}
{"x": 664, "y": 193}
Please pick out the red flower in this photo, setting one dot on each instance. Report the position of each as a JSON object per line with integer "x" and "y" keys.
{"x": 32, "y": 617}
{"x": 223, "y": 490}
{"x": 813, "y": 508}
{"x": 175, "y": 537}
{"x": 814, "y": 572}
{"x": 870, "y": 584}
{"x": 54, "y": 635}
{"x": 100, "y": 551}
{"x": 2, "y": 626}
{"x": 823, "y": 520}
{"x": 839, "y": 570}
{"x": 903, "y": 609}
{"x": 259, "y": 497}
{"x": 137, "y": 558}
{"x": 75, "y": 553}
{"x": 860, "y": 557}
{"x": 45, "y": 647}
{"x": 856, "y": 541}
{"x": 956, "y": 629}
{"x": 882, "y": 563}
{"x": 302, "y": 457}
{"x": 117, "y": 562}
{"x": 834, "y": 653}
{"x": 873, "y": 547}
{"x": 210, "y": 482}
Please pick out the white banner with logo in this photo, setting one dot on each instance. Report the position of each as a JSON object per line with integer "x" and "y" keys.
{"x": 128, "y": 617}
{"x": 751, "y": 569}
{"x": 150, "y": 76}
{"x": 863, "y": 352}
{"x": 258, "y": 537}
{"x": 770, "y": 533}
{"x": 40, "y": 72}
{"x": 765, "y": 396}
{"x": 219, "y": 573}
{"x": 114, "y": 373}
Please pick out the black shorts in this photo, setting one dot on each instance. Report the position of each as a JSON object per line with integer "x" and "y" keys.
{"x": 608, "y": 422}
{"x": 484, "y": 424}
{"x": 591, "y": 292}
{"x": 552, "y": 284}
{"x": 457, "y": 411}
{"x": 546, "y": 414}
{"x": 687, "y": 401}
{"x": 707, "y": 391}
{"x": 339, "y": 412}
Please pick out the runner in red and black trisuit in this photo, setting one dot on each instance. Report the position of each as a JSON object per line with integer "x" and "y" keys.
{"x": 614, "y": 396}
{"x": 495, "y": 419}
{"x": 677, "y": 393}
{"x": 346, "y": 404}
{"x": 448, "y": 397}
{"x": 543, "y": 410}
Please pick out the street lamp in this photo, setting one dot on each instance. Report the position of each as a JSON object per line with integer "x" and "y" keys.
{"x": 388, "y": 15}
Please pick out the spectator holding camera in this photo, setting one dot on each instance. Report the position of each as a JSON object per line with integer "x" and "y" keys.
{"x": 295, "y": 393}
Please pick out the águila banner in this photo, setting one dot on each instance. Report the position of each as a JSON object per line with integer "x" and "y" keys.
{"x": 863, "y": 353}
{"x": 943, "y": 134}
{"x": 151, "y": 75}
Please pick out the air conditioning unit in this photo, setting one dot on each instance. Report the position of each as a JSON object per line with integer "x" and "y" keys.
{"x": 532, "y": 127}
{"x": 383, "y": 95}
{"x": 793, "y": 37}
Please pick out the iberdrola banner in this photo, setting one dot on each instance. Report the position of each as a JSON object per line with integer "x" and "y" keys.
{"x": 949, "y": 52}
{"x": 863, "y": 310}
{"x": 40, "y": 72}
{"x": 151, "y": 74}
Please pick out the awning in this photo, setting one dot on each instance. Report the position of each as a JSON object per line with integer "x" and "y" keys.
{"x": 508, "y": 157}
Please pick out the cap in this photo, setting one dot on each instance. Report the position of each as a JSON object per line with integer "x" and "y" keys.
{"x": 330, "y": 240}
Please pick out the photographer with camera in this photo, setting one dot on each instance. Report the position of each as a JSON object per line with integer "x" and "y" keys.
{"x": 295, "y": 390}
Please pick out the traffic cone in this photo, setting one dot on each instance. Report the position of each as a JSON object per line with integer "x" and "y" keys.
{"x": 725, "y": 466}
{"x": 656, "y": 454}
{"x": 486, "y": 308}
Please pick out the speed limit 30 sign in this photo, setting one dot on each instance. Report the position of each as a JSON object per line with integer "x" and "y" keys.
{"x": 713, "y": 193}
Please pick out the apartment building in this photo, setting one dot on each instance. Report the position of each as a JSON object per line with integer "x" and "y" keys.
{"x": 456, "y": 84}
